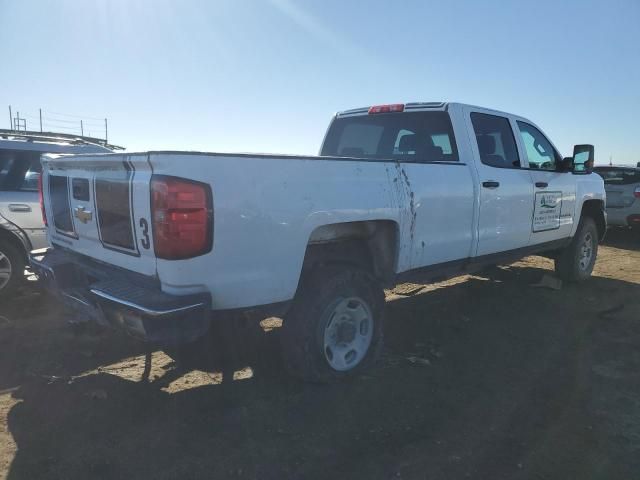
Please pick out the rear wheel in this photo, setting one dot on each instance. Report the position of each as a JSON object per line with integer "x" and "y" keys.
{"x": 576, "y": 262}
{"x": 12, "y": 265}
{"x": 334, "y": 328}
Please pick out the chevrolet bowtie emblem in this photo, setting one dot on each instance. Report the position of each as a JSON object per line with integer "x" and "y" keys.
{"x": 83, "y": 215}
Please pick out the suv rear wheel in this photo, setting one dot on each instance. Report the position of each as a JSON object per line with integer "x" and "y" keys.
{"x": 334, "y": 328}
{"x": 12, "y": 265}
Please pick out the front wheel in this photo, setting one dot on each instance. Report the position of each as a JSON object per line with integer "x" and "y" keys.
{"x": 334, "y": 328}
{"x": 576, "y": 262}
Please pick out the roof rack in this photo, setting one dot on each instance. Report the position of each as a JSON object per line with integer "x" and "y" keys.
{"x": 31, "y": 136}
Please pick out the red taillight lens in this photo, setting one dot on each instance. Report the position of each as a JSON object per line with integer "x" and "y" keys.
{"x": 41, "y": 198}
{"x": 182, "y": 217}
{"x": 393, "y": 108}
{"x": 636, "y": 192}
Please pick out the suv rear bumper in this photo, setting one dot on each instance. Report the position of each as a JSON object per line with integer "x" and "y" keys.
{"x": 624, "y": 216}
{"x": 122, "y": 300}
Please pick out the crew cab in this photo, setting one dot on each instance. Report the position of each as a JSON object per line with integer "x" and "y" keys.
{"x": 161, "y": 242}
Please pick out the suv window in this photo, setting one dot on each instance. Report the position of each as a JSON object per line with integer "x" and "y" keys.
{"x": 619, "y": 176}
{"x": 19, "y": 171}
{"x": 407, "y": 136}
{"x": 496, "y": 143}
{"x": 540, "y": 152}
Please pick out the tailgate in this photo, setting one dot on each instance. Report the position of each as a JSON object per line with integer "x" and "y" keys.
{"x": 620, "y": 196}
{"x": 99, "y": 206}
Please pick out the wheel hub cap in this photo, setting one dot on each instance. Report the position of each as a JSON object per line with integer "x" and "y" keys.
{"x": 5, "y": 270}
{"x": 586, "y": 251}
{"x": 348, "y": 333}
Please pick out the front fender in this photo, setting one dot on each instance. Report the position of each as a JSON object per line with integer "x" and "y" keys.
{"x": 591, "y": 200}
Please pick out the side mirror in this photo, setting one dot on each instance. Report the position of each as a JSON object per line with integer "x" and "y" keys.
{"x": 583, "y": 158}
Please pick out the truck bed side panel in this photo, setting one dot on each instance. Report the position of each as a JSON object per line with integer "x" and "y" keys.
{"x": 263, "y": 218}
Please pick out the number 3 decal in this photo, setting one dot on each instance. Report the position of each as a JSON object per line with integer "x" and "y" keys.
{"x": 145, "y": 234}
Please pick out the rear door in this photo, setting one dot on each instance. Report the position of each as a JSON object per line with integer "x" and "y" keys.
{"x": 98, "y": 206}
{"x": 554, "y": 191}
{"x": 506, "y": 192}
{"x": 429, "y": 183}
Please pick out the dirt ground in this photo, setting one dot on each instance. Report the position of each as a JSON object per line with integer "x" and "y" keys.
{"x": 483, "y": 377}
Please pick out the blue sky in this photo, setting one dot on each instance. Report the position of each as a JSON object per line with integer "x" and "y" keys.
{"x": 266, "y": 76}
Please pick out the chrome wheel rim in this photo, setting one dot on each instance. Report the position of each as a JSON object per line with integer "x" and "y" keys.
{"x": 347, "y": 333}
{"x": 5, "y": 270}
{"x": 586, "y": 251}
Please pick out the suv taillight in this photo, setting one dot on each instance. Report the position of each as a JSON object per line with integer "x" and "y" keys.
{"x": 41, "y": 198}
{"x": 182, "y": 214}
{"x": 636, "y": 192}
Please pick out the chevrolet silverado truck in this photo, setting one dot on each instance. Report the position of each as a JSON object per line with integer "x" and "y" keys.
{"x": 159, "y": 243}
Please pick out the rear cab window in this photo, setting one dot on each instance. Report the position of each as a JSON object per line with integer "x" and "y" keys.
{"x": 405, "y": 137}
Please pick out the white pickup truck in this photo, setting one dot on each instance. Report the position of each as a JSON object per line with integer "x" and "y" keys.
{"x": 160, "y": 242}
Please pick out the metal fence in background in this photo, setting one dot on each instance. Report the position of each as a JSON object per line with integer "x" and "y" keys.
{"x": 45, "y": 121}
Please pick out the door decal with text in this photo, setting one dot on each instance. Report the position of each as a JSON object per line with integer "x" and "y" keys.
{"x": 546, "y": 211}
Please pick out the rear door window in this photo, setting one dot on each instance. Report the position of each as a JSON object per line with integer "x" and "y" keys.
{"x": 407, "y": 137}
{"x": 496, "y": 143}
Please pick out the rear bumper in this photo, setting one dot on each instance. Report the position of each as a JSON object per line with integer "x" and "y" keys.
{"x": 122, "y": 300}
{"x": 624, "y": 217}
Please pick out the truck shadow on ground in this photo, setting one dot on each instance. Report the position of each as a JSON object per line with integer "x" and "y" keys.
{"x": 623, "y": 238}
{"x": 485, "y": 378}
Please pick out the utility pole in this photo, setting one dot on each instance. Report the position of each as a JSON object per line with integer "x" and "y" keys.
{"x": 106, "y": 137}
{"x": 610, "y": 160}
{"x": 81, "y": 129}
{"x": 10, "y": 119}
{"x": 40, "y": 119}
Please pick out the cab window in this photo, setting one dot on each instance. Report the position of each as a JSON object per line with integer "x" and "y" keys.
{"x": 540, "y": 152}
{"x": 403, "y": 137}
{"x": 496, "y": 143}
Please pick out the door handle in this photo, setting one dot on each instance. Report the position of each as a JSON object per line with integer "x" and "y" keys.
{"x": 542, "y": 184}
{"x": 491, "y": 184}
{"x": 19, "y": 207}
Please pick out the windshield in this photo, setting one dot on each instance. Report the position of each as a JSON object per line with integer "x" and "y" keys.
{"x": 415, "y": 136}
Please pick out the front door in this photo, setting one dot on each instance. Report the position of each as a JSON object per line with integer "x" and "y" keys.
{"x": 554, "y": 190}
{"x": 506, "y": 191}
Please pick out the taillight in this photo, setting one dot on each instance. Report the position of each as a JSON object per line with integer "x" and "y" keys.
{"x": 393, "y": 108}
{"x": 182, "y": 215}
{"x": 41, "y": 198}
{"x": 636, "y": 192}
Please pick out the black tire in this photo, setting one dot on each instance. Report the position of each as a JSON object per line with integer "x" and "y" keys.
{"x": 14, "y": 258}
{"x": 570, "y": 264}
{"x": 314, "y": 308}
